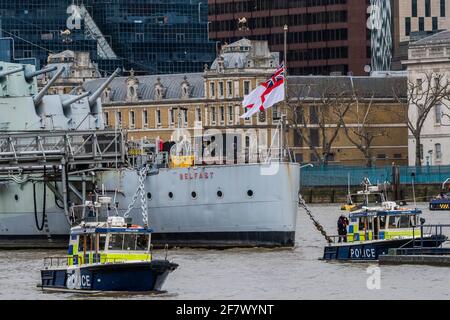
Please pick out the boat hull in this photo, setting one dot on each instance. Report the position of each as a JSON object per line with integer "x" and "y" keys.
{"x": 371, "y": 250}
{"x": 117, "y": 277}
{"x": 440, "y": 205}
{"x": 264, "y": 217}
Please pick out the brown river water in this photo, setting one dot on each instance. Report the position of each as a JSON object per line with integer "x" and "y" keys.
{"x": 257, "y": 273}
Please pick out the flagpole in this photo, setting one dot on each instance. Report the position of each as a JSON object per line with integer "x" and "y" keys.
{"x": 283, "y": 116}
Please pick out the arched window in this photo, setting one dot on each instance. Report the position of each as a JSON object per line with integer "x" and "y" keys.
{"x": 438, "y": 151}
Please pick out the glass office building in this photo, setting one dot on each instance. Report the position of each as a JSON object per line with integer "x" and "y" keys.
{"x": 150, "y": 36}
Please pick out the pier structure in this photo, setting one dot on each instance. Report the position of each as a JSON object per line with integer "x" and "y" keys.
{"x": 418, "y": 254}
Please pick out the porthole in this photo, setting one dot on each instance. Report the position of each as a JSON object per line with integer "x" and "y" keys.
{"x": 16, "y": 197}
{"x": 171, "y": 195}
{"x": 194, "y": 195}
{"x": 220, "y": 194}
{"x": 250, "y": 193}
{"x": 149, "y": 196}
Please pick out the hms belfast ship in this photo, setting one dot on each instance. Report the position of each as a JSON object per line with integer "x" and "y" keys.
{"x": 55, "y": 153}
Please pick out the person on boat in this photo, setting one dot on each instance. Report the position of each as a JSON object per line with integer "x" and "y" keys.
{"x": 91, "y": 208}
{"x": 342, "y": 228}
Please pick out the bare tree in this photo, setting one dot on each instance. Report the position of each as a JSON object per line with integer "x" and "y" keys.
{"x": 362, "y": 134}
{"x": 422, "y": 95}
{"x": 331, "y": 102}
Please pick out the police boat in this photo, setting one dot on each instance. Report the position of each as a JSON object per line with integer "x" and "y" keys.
{"x": 442, "y": 201}
{"x": 375, "y": 230}
{"x": 107, "y": 254}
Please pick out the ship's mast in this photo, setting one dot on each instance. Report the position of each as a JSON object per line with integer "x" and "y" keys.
{"x": 283, "y": 137}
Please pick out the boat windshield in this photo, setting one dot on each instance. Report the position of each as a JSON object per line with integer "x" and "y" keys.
{"x": 403, "y": 221}
{"x": 128, "y": 242}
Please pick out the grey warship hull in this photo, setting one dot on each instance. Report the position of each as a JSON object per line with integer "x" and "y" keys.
{"x": 206, "y": 206}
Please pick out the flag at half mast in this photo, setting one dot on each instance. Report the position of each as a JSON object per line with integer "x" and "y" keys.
{"x": 266, "y": 94}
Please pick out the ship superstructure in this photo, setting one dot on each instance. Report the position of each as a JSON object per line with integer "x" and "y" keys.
{"x": 55, "y": 152}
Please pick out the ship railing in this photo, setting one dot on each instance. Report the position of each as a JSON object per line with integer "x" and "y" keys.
{"x": 51, "y": 262}
{"x": 417, "y": 237}
{"x": 420, "y": 245}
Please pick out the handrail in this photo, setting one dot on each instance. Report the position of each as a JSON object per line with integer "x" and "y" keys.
{"x": 68, "y": 260}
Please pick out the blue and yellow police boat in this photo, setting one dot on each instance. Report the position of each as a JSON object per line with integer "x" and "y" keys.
{"x": 374, "y": 230}
{"x": 107, "y": 256}
{"x": 442, "y": 201}
{"x": 106, "y": 253}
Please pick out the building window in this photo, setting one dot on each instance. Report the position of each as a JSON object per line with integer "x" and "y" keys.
{"x": 140, "y": 37}
{"x": 180, "y": 37}
{"x": 414, "y": 8}
{"x": 246, "y": 88}
{"x": 198, "y": 114}
{"x": 222, "y": 114}
{"x": 212, "y": 89}
{"x": 171, "y": 117}
{"x": 145, "y": 119}
{"x": 229, "y": 89}
{"x": 438, "y": 150}
{"x": 435, "y": 23}
{"x": 106, "y": 118}
{"x": 185, "y": 117}
{"x": 158, "y": 118}
{"x": 427, "y": 8}
{"x": 421, "y": 24}
{"x": 314, "y": 137}
{"x": 221, "y": 88}
{"x": 236, "y": 89}
{"x": 443, "y": 8}
{"x": 298, "y": 139}
{"x": 419, "y": 84}
{"x": 313, "y": 115}
{"x": 213, "y": 115}
{"x": 407, "y": 26}
{"x": 230, "y": 114}
{"x": 438, "y": 113}
{"x": 275, "y": 114}
{"x": 119, "y": 118}
{"x": 132, "y": 120}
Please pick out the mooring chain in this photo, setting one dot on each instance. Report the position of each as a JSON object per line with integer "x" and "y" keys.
{"x": 140, "y": 191}
{"x": 318, "y": 226}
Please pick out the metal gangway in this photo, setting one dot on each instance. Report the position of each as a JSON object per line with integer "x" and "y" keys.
{"x": 31, "y": 151}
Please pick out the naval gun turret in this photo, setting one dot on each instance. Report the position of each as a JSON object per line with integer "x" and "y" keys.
{"x": 68, "y": 102}
{"x": 38, "y": 97}
{"x": 93, "y": 99}
{"x": 25, "y": 108}
{"x": 30, "y": 75}
{"x": 5, "y": 73}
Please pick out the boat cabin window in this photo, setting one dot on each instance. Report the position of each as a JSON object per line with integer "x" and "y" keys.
{"x": 115, "y": 241}
{"x": 102, "y": 241}
{"x": 365, "y": 223}
{"x": 404, "y": 221}
{"x": 129, "y": 242}
{"x": 382, "y": 222}
{"x": 86, "y": 243}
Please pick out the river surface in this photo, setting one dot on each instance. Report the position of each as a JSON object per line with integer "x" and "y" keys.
{"x": 257, "y": 273}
